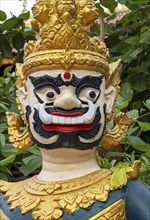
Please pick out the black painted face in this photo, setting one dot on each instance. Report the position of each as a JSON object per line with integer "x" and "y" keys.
{"x": 70, "y": 111}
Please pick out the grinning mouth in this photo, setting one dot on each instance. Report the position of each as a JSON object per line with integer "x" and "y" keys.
{"x": 74, "y": 118}
{"x": 67, "y": 123}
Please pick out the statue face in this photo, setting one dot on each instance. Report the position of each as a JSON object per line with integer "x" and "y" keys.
{"x": 65, "y": 109}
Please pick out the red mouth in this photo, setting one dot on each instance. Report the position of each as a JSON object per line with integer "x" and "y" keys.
{"x": 65, "y": 127}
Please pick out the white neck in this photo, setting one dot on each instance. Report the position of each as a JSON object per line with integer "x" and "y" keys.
{"x": 63, "y": 164}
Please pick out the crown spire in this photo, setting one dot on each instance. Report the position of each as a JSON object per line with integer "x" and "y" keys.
{"x": 65, "y": 39}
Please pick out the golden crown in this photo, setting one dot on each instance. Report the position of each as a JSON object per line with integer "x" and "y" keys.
{"x": 64, "y": 38}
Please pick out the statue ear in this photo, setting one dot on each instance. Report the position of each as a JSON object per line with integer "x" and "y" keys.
{"x": 110, "y": 95}
{"x": 23, "y": 98}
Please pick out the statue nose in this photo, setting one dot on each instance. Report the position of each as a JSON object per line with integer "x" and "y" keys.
{"x": 67, "y": 101}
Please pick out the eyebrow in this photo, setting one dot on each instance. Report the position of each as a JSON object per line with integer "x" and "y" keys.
{"x": 37, "y": 81}
{"x": 41, "y": 81}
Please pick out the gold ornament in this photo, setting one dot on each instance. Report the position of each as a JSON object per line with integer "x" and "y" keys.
{"x": 112, "y": 138}
{"x": 136, "y": 170}
{"x": 19, "y": 140}
{"x": 114, "y": 212}
{"x": 65, "y": 39}
{"x": 36, "y": 195}
{"x": 69, "y": 195}
{"x": 3, "y": 216}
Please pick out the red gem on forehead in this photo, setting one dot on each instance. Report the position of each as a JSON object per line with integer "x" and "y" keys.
{"x": 67, "y": 75}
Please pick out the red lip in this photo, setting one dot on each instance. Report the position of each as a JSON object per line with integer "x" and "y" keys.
{"x": 67, "y": 128}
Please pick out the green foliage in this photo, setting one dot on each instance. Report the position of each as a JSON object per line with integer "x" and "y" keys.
{"x": 129, "y": 39}
{"x": 13, "y": 35}
{"x": 145, "y": 168}
{"x": 119, "y": 175}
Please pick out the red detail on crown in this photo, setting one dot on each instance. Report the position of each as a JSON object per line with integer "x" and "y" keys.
{"x": 67, "y": 75}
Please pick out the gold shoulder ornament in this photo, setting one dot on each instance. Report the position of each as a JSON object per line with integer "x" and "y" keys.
{"x": 46, "y": 200}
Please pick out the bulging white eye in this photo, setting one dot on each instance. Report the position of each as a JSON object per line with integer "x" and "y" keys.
{"x": 50, "y": 95}
{"x": 89, "y": 94}
{"x": 92, "y": 94}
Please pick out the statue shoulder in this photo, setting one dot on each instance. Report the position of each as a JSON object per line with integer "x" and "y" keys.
{"x": 137, "y": 198}
{"x": 50, "y": 200}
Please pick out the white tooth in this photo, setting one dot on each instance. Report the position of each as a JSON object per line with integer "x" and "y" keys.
{"x": 80, "y": 119}
{"x": 73, "y": 120}
{"x": 55, "y": 119}
{"x": 67, "y": 120}
{"x": 61, "y": 120}
{"x": 44, "y": 116}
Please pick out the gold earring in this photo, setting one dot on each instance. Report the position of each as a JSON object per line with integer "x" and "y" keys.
{"x": 19, "y": 140}
{"x": 112, "y": 138}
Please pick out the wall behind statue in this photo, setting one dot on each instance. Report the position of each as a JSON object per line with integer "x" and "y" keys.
{"x": 14, "y": 6}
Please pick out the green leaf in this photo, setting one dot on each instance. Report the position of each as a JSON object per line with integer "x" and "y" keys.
{"x": 138, "y": 1}
{"x": 138, "y": 143}
{"x": 123, "y": 105}
{"x": 145, "y": 37}
{"x": 18, "y": 41}
{"x": 147, "y": 103}
{"x": 145, "y": 126}
{"x": 28, "y": 159}
{"x": 132, "y": 130}
{"x": 34, "y": 150}
{"x": 136, "y": 52}
{"x": 9, "y": 24}
{"x": 126, "y": 91}
{"x": 25, "y": 16}
{"x": 119, "y": 177}
{"x": 134, "y": 40}
{"x": 106, "y": 4}
{"x": 2, "y": 139}
{"x": 3, "y": 176}
{"x": 3, "y": 106}
{"x": 133, "y": 113}
{"x": 7, "y": 160}
{"x": 7, "y": 153}
{"x": 4, "y": 169}
{"x": 139, "y": 83}
{"x": 7, "y": 69}
{"x": 3, "y": 15}
{"x": 5, "y": 47}
{"x": 121, "y": 1}
{"x": 114, "y": 154}
{"x": 31, "y": 166}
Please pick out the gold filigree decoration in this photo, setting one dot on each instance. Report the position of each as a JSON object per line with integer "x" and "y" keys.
{"x": 135, "y": 170}
{"x": 20, "y": 82}
{"x": 112, "y": 138}
{"x": 3, "y": 216}
{"x": 48, "y": 200}
{"x": 64, "y": 38}
{"x": 114, "y": 212}
{"x": 18, "y": 139}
